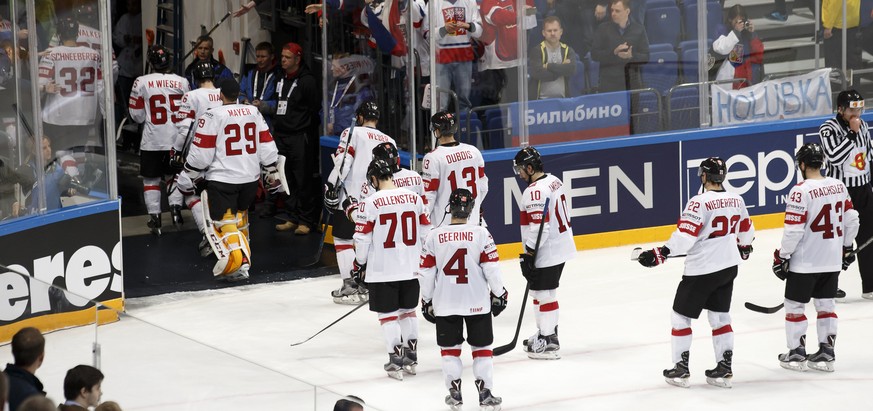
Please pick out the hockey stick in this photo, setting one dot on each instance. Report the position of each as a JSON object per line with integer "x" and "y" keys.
{"x": 503, "y": 349}
{"x": 331, "y": 324}
{"x": 635, "y": 254}
{"x": 209, "y": 33}
{"x": 770, "y": 310}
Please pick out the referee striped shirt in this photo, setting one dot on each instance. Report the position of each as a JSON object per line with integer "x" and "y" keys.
{"x": 847, "y": 160}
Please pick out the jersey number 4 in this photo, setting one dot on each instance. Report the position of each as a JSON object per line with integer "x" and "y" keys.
{"x": 457, "y": 267}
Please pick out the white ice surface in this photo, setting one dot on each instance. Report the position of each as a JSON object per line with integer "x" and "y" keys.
{"x": 614, "y": 332}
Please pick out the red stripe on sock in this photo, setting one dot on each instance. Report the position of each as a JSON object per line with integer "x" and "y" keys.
{"x": 450, "y": 353}
{"x": 148, "y": 188}
{"x": 410, "y": 314}
{"x": 681, "y": 333}
{"x": 482, "y": 353}
{"x": 723, "y": 330}
{"x": 343, "y": 247}
{"x": 387, "y": 319}
{"x": 795, "y": 319}
{"x": 552, "y": 306}
{"x": 194, "y": 203}
{"x": 826, "y": 315}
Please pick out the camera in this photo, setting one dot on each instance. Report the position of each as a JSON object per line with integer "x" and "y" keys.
{"x": 746, "y": 24}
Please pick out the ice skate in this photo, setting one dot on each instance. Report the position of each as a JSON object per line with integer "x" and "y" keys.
{"x": 410, "y": 357}
{"x": 867, "y": 296}
{"x": 679, "y": 375}
{"x": 840, "y": 293}
{"x": 394, "y": 366}
{"x": 541, "y": 347}
{"x": 204, "y": 248}
{"x": 349, "y": 293}
{"x": 487, "y": 401}
{"x": 176, "y": 214}
{"x": 823, "y": 359}
{"x": 453, "y": 400}
{"x": 154, "y": 224}
{"x": 721, "y": 375}
{"x": 794, "y": 359}
{"x": 239, "y": 275}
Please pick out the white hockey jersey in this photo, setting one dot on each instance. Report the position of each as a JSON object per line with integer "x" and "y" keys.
{"x": 91, "y": 38}
{"x": 404, "y": 178}
{"x": 231, "y": 143}
{"x": 557, "y": 245}
{"x": 819, "y": 222}
{"x": 194, "y": 104}
{"x": 389, "y": 233}
{"x": 354, "y": 164}
{"x": 153, "y": 100}
{"x": 709, "y": 230}
{"x": 459, "y": 269}
{"x": 447, "y": 168}
{"x": 77, "y": 74}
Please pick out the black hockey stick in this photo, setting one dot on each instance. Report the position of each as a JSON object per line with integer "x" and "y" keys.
{"x": 331, "y": 324}
{"x": 635, "y": 254}
{"x": 209, "y": 33}
{"x": 503, "y": 349}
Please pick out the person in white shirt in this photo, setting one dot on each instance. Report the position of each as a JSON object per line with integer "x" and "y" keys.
{"x": 556, "y": 247}
{"x": 820, "y": 226}
{"x": 390, "y": 229}
{"x": 716, "y": 233}
{"x": 461, "y": 284}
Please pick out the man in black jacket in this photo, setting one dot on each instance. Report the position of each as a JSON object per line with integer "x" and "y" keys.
{"x": 203, "y": 51}
{"x": 28, "y": 351}
{"x": 621, "y": 47}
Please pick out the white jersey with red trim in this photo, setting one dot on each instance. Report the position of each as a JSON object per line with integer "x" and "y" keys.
{"x": 459, "y": 269}
{"x": 447, "y": 167}
{"x": 404, "y": 178}
{"x": 231, "y": 143}
{"x": 91, "y": 38}
{"x": 360, "y": 153}
{"x": 194, "y": 104}
{"x": 389, "y": 233}
{"x": 154, "y": 100}
{"x": 557, "y": 245}
{"x": 819, "y": 221}
{"x": 709, "y": 230}
{"x": 76, "y": 73}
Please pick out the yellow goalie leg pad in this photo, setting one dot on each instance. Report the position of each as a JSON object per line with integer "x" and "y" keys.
{"x": 230, "y": 235}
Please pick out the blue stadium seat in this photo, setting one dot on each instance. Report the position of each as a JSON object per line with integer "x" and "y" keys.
{"x": 689, "y": 65}
{"x": 470, "y": 135}
{"x": 664, "y": 25}
{"x": 495, "y": 132}
{"x": 653, "y": 4}
{"x": 491, "y": 113}
{"x": 593, "y": 69}
{"x": 579, "y": 81}
{"x": 655, "y": 48}
{"x": 662, "y": 71}
{"x": 684, "y": 106}
{"x": 714, "y": 19}
{"x": 646, "y": 113}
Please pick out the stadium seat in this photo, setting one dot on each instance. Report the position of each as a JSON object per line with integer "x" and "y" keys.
{"x": 646, "y": 113}
{"x": 684, "y": 109}
{"x": 495, "y": 131}
{"x": 659, "y": 47}
{"x": 593, "y": 69}
{"x": 468, "y": 132}
{"x": 664, "y": 25}
{"x": 714, "y": 19}
{"x": 579, "y": 81}
{"x": 662, "y": 71}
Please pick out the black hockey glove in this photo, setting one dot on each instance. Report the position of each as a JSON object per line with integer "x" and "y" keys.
{"x": 427, "y": 311}
{"x": 653, "y": 257}
{"x": 528, "y": 267}
{"x": 498, "y": 304}
{"x": 780, "y": 266}
{"x": 350, "y": 204}
{"x": 848, "y": 257}
{"x": 331, "y": 196}
{"x": 176, "y": 160}
{"x": 745, "y": 250}
{"x": 359, "y": 273}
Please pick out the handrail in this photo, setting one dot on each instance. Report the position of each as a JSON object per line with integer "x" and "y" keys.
{"x": 668, "y": 114}
{"x": 842, "y": 75}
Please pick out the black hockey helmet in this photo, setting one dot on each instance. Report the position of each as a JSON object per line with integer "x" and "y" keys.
{"x": 159, "y": 58}
{"x": 445, "y": 123}
{"x": 369, "y": 110}
{"x": 461, "y": 203}
{"x": 380, "y": 169}
{"x": 203, "y": 70}
{"x": 714, "y": 168}
{"x": 87, "y": 13}
{"x": 810, "y": 154}
{"x": 386, "y": 151}
{"x": 850, "y": 99}
{"x": 67, "y": 29}
{"x": 527, "y": 156}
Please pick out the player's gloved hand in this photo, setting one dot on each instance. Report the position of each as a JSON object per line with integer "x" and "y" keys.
{"x": 185, "y": 181}
{"x": 498, "y": 304}
{"x": 176, "y": 160}
{"x": 780, "y": 266}
{"x": 528, "y": 266}
{"x": 848, "y": 257}
{"x": 427, "y": 311}
{"x": 745, "y": 250}
{"x": 271, "y": 179}
{"x": 359, "y": 273}
{"x": 349, "y": 206}
{"x": 331, "y": 196}
{"x": 653, "y": 257}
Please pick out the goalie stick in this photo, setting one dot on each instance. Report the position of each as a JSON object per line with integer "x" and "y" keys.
{"x": 503, "y": 349}
{"x": 331, "y": 324}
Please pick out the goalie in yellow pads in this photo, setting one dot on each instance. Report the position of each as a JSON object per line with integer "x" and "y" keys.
{"x": 231, "y": 145}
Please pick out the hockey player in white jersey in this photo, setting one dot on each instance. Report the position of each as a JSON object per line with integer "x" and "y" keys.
{"x": 353, "y": 156}
{"x": 388, "y": 237}
{"x": 461, "y": 284}
{"x": 194, "y": 104}
{"x": 716, "y": 233}
{"x": 820, "y": 226}
{"x": 231, "y": 144}
{"x": 403, "y": 177}
{"x": 451, "y": 165}
{"x": 556, "y": 247}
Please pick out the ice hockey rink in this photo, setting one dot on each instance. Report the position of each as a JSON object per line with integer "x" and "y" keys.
{"x": 230, "y": 349}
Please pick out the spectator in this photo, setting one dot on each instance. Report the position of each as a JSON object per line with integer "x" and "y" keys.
{"x": 743, "y": 48}
{"x": 28, "y": 352}
{"x": 108, "y": 406}
{"x": 349, "y": 403}
{"x": 258, "y": 86}
{"x": 551, "y": 63}
{"x": 500, "y": 35}
{"x": 203, "y": 51}
{"x": 61, "y": 178}
{"x": 82, "y": 388}
{"x": 459, "y": 24}
{"x": 620, "y": 46}
{"x": 37, "y": 403}
{"x": 351, "y": 88}
{"x": 127, "y": 37}
{"x": 832, "y": 24}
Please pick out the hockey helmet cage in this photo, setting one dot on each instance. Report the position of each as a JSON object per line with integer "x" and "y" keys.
{"x": 369, "y": 110}
{"x": 159, "y": 58}
{"x": 461, "y": 203}
{"x": 527, "y": 156}
{"x": 810, "y": 154}
{"x": 380, "y": 169}
{"x": 67, "y": 29}
{"x": 386, "y": 151}
{"x": 203, "y": 70}
{"x": 445, "y": 123}
{"x": 850, "y": 99}
{"x": 714, "y": 168}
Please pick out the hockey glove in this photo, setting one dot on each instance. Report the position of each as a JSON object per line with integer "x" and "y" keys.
{"x": 848, "y": 257}
{"x": 359, "y": 273}
{"x": 271, "y": 179}
{"x": 780, "y": 266}
{"x": 331, "y": 196}
{"x": 176, "y": 160}
{"x": 427, "y": 311}
{"x": 498, "y": 304}
{"x": 528, "y": 267}
{"x": 745, "y": 250}
{"x": 653, "y": 257}
{"x": 350, "y": 204}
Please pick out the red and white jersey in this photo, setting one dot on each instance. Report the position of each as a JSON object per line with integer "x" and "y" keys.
{"x": 557, "y": 244}
{"x": 91, "y": 38}
{"x": 389, "y": 233}
{"x": 459, "y": 270}
{"x": 709, "y": 230}
{"x": 819, "y": 222}
{"x": 500, "y": 17}
{"x": 404, "y": 178}
{"x": 446, "y": 168}
{"x": 354, "y": 164}
{"x": 77, "y": 74}
{"x": 154, "y": 100}
{"x": 194, "y": 104}
{"x": 455, "y": 47}
{"x": 231, "y": 143}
